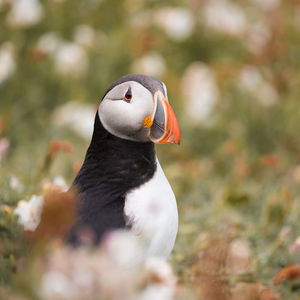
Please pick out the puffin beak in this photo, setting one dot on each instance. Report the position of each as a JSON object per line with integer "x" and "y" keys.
{"x": 163, "y": 125}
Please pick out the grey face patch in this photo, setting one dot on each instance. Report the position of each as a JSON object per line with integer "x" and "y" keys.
{"x": 148, "y": 82}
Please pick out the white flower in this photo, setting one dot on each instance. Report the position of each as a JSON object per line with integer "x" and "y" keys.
{"x": 29, "y": 212}
{"x": 200, "y": 90}
{"x": 15, "y": 184}
{"x": 70, "y": 59}
{"x": 58, "y": 184}
{"x": 257, "y": 37}
{"x": 49, "y": 42}
{"x": 285, "y": 232}
{"x": 224, "y": 16}
{"x": 55, "y": 285}
{"x": 252, "y": 81}
{"x": 250, "y": 78}
{"x": 158, "y": 268}
{"x": 60, "y": 181}
{"x": 157, "y": 292}
{"x": 115, "y": 270}
{"x": 78, "y": 117}
{"x": 151, "y": 64}
{"x": 7, "y": 61}
{"x": 267, "y": 4}
{"x": 85, "y": 36}
{"x": 295, "y": 246}
{"x": 4, "y": 146}
{"x": 25, "y": 13}
{"x": 162, "y": 280}
{"x": 177, "y": 22}
{"x": 238, "y": 259}
{"x": 124, "y": 248}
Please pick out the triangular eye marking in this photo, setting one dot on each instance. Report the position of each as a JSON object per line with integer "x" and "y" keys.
{"x": 128, "y": 95}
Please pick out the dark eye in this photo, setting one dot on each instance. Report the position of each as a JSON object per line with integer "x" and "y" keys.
{"x": 128, "y": 95}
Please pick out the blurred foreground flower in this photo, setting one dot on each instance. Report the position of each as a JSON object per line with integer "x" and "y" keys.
{"x": 56, "y": 217}
{"x": 7, "y": 61}
{"x": 257, "y": 37}
{"x": 4, "y": 146}
{"x": 285, "y": 232}
{"x": 29, "y": 212}
{"x": 238, "y": 259}
{"x": 220, "y": 260}
{"x": 162, "y": 281}
{"x": 295, "y": 246}
{"x": 112, "y": 271}
{"x": 267, "y": 4}
{"x": 206, "y": 272}
{"x": 50, "y": 215}
{"x": 200, "y": 90}
{"x": 295, "y": 174}
{"x": 58, "y": 184}
{"x": 25, "y": 13}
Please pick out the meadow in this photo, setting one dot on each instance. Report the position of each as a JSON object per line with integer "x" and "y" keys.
{"x": 232, "y": 69}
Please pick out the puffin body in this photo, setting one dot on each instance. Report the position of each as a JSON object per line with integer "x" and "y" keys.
{"x": 152, "y": 210}
{"x": 121, "y": 183}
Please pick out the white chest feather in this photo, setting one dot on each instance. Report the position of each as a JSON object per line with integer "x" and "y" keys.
{"x": 152, "y": 211}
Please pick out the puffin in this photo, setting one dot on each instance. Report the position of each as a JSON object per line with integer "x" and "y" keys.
{"x": 121, "y": 184}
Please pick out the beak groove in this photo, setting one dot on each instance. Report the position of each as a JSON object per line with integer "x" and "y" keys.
{"x": 165, "y": 129}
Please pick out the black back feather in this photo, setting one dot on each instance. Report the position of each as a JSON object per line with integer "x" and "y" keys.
{"x": 112, "y": 167}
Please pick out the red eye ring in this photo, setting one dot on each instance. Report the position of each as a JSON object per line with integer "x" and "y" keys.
{"x": 128, "y": 95}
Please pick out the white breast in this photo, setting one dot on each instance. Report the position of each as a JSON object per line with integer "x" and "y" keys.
{"x": 152, "y": 211}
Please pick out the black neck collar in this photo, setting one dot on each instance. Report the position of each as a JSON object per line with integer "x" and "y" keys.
{"x": 112, "y": 168}
{"x": 115, "y": 164}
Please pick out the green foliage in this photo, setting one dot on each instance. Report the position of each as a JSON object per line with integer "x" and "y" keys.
{"x": 236, "y": 172}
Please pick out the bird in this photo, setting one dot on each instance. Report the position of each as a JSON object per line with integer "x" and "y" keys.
{"x": 121, "y": 184}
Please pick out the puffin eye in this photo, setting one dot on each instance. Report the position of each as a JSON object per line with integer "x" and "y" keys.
{"x": 128, "y": 95}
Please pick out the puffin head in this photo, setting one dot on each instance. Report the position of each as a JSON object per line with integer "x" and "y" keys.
{"x": 136, "y": 107}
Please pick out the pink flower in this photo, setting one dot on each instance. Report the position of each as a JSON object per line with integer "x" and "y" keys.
{"x": 295, "y": 246}
{"x": 4, "y": 146}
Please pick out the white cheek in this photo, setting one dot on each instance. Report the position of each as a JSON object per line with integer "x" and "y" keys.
{"x": 120, "y": 116}
{"x": 123, "y": 119}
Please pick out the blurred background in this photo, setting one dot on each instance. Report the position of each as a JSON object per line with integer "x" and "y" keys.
{"x": 232, "y": 70}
